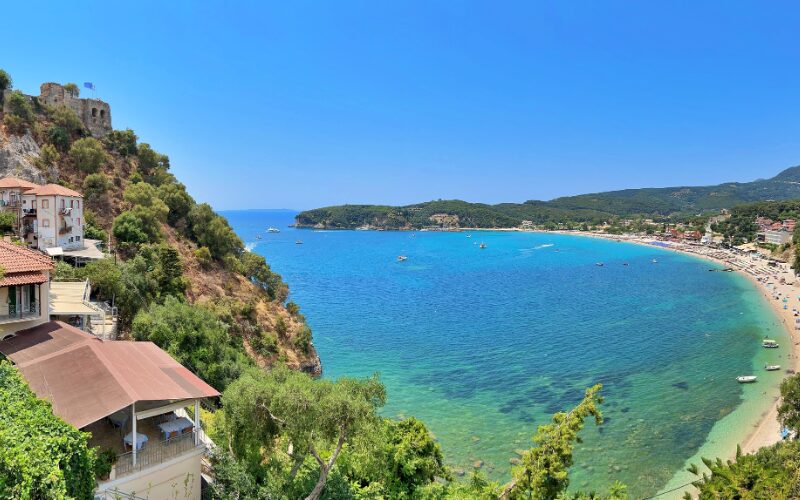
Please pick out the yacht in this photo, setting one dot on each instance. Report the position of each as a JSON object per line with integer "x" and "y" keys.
{"x": 298, "y": 242}
{"x": 655, "y": 261}
{"x": 772, "y": 368}
{"x": 746, "y": 379}
{"x": 401, "y": 258}
{"x": 273, "y": 230}
{"x": 599, "y": 264}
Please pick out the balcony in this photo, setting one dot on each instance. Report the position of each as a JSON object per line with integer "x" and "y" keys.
{"x": 29, "y": 212}
{"x": 64, "y": 229}
{"x": 19, "y": 312}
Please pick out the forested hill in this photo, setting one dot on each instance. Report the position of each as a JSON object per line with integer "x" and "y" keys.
{"x": 593, "y": 208}
{"x": 180, "y": 276}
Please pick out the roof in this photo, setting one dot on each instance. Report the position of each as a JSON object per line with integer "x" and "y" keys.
{"x": 53, "y": 190}
{"x": 28, "y": 278}
{"x": 15, "y": 182}
{"x": 17, "y": 259}
{"x": 89, "y": 251}
{"x": 86, "y": 378}
{"x": 67, "y": 298}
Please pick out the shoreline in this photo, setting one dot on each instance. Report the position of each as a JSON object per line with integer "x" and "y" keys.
{"x": 765, "y": 431}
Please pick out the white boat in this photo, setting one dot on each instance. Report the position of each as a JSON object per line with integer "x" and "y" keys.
{"x": 599, "y": 264}
{"x": 483, "y": 245}
{"x": 401, "y": 258}
{"x": 769, "y": 344}
{"x": 258, "y": 236}
{"x": 655, "y": 261}
{"x": 298, "y": 242}
{"x": 746, "y": 379}
{"x": 469, "y": 236}
{"x": 273, "y": 230}
{"x": 772, "y": 368}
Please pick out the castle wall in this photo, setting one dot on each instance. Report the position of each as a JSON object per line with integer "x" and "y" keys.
{"x": 94, "y": 113}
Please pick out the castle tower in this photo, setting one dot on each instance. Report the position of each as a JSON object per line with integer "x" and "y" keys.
{"x": 94, "y": 113}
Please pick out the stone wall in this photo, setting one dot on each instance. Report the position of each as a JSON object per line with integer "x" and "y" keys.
{"x": 95, "y": 114}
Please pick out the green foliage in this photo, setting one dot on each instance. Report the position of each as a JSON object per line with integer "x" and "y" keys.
{"x": 174, "y": 195}
{"x": 41, "y": 456}
{"x": 144, "y": 196}
{"x": 195, "y": 337}
{"x": 48, "y": 156}
{"x": 302, "y": 339}
{"x": 280, "y": 327}
{"x": 95, "y": 187}
{"x": 7, "y": 220}
{"x": 203, "y": 256}
{"x": 64, "y": 117}
{"x": 256, "y": 269}
{"x": 212, "y": 231}
{"x": 772, "y": 473}
{"x": 544, "y": 468}
{"x": 142, "y": 223}
{"x": 152, "y": 165}
{"x": 414, "y": 458}
{"x": 104, "y": 275}
{"x": 72, "y": 89}
{"x": 14, "y": 124}
{"x": 87, "y": 154}
{"x": 265, "y": 344}
{"x": 123, "y": 142}
{"x": 165, "y": 268}
{"x": 95, "y": 233}
{"x": 58, "y": 137}
{"x": 64, "y": 272}
{"x": 106, "y": 458}
{"x": 129, "y": 228}
{"x": 789, "y": 407}
{"x": 5, "y": 83}
{"x": 19, "y": 105}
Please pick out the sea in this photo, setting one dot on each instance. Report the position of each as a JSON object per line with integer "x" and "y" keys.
{"x": 485, "y": 344}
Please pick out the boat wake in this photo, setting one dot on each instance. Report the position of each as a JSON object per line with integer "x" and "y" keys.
{"x": 546, "y": 245}
{"x": 249, "y": 247}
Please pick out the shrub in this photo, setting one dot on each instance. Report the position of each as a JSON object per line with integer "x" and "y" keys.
{"x": 106, "y": 458}
{"x": 265, "y": 344}
{"x": 5, "y": 83}
{"x": 95, "y": 233}
{"x": 65, "y": 117}
{"x": 177, "y": 199}
{"x": 128, "y": 227}
{"x": 18, "y": 104}
{"x": 41, "y": 456}
{"x": 212, "y": 231}
{"x": 87, "y": 154}
{"x": 123, "y": 142}
{"x": 203, "y": 256}
{"x": 48, "y": 156}
{"x": 65, "y": 272}
{"x": 95, "y": 187}
{"x": 280, "y": 327}
{"x": 14, "y": 124}
{"x": 7, "y": 220}
{"x": 302, "y": 339}
{"x": 72, "y": 89}
{"x": 58, "y": 137}
{"x": 293, "y": 308}
{"x": 152, "y": 164}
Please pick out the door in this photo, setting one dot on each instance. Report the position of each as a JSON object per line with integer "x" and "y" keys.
{"x": 12, "y": 300}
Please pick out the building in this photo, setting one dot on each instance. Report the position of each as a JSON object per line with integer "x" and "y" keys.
{"x": 94, "y": 113}
{"x": 132, "y": 398}
{"x": 24, "y": 288}
{"x": 775, "y": 236}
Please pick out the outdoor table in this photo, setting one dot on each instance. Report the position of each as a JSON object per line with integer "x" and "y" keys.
{"x": 141, "y": 439}
{"x": 178, "y": 426}
{"x": 120, "y": 418}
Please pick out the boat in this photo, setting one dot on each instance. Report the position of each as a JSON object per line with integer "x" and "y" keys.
{"x": 655, "y": 261}
{"x": 769, "y": 344}
{"x": 469, "y": 236}
{"x": 772, "y": 368}
{"x": 624, "y": 263}
{"x": 401, "y": 258}
{"x": 273, "y": 230}
{"x": 599, "y": 264}
{"x": 483, "y": 245}
{"x": 746, "y": 379}
{"x": 258, "y": 236}
{"x": 298, "y": 242}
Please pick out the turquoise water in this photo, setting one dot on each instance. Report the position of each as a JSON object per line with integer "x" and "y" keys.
{"x": 484, "y": 345}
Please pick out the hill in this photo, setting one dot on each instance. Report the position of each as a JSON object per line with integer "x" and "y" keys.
{"x": 673, "y": 202}
{"x": 179, "y": 275}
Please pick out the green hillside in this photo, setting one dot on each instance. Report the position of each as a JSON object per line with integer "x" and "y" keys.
{"x": 676, "y": 202}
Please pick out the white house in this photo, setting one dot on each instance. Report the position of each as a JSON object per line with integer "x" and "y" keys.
{"x": 53, "y": 216}
{"x": 24, "y": 288}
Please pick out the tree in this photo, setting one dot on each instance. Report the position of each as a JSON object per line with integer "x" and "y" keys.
{"x": 129, "y": 228}
{"x": 95, "y": 187}
{"x": 212, "y": 231}
{"x": 789, "y": 407}
{"x": 121, "y": 141}
{"x": 414, "y": 458}
{"x": 174, "y": 195}
{"x": 544, "y": 468}
{"x": 87, "y": 154}
{"x": 7, "y": 220}
{"x": 152, "y": 164}
{"x": 256, "y": 269}
{"x": 58, "y": 137}
{"x": 145, "y": 196}
{"x": 48, "y": 156}
{"x": 19, "y": 105}
{"x": 5, "y": 83}
{"x": 41, "y": 456}
{"x": 316, "y": 417}
{"x": 64, "y": 116}
{"x": 747, "y": 477}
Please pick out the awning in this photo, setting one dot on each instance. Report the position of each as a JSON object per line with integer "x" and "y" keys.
{"x": 67, "y": 298}
{"x": 89, "y": 251}
{"x": 54, "y": 251}
{"x": 87, "y": 379}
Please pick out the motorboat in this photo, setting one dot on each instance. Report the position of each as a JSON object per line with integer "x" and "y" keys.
{"x": 273, "y": 230}
{"x": 298, "y": 242}
{"x": 401, "y": 258}
{"x": 746, "y": 379}
{"x": 599, "y": 264}
{"x": 258, "y": 236}
{"x": 482, "y": 245}
{"x": 772, "y": 368}
{"x": 769, "y": 344}
{"x": 655, "y": 261}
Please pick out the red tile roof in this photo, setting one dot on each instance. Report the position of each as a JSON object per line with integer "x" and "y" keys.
{"x": 14, "y": 182}
{"x": 29, "y": 278}
{"x": 53, "y": 190}
{"x": 87, "y": 379}
{"x": 17, "y": 259}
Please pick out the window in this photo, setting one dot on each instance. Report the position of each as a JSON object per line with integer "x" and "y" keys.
{"x": 78, "y": 204}
{"x": 77, "y": 238}
{"x": 46, "y": 223}
{"x": 78, "y": 221}
{"x": 63, "y": 204}
{"x": 71, "y": 239}
{"x": 45, "y": 204}
{"x": 71, "y": 203}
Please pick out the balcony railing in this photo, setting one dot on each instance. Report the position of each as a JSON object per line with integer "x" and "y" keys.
{"x": 28, "y": 211}
{"x": 154, "y": 453}
{"x": 19, "y": 311}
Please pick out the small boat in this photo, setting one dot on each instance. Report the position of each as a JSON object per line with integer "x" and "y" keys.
{"x": 483, "y": 245}
{"x": 624, "y": 263}
{"x": 258, "y": 236}
{"x": 772, "y": 368}
{"x": 746, "y": 379}
{"x": 769, "y": 344}
{"x": 655, "y": 261}
{"x": 401, "y": 258}
{"x": 273, "y": 230}
{"x": 599, "y": 264}
{"x": 469, "y": 236}
{"x": 298, "y": 242}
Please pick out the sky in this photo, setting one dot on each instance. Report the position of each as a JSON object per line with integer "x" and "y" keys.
{"x": 306, "y": 104}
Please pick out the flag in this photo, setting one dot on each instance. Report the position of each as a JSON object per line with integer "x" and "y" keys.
{"x": 88, "y": 85}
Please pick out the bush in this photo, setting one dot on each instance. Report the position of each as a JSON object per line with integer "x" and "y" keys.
{"x": 5, "y": 83}
{"x": 48, "y": 156}
{"x": 203, "y": 256}
{"x": 66, "y": 118}
{"x": 41, "y": 456}
{"x": 14, "y": 124}
{"x": 106, "y": 458}
{"x": 72, "y": 89}
{"x": 58, "y": 137}
{"x": 65, "y": 272}
{"x": 302, "y": 339}
{"x": 293, "y": 308}
{"x": 95, "y": 233}
{"x": 152, "y": 165}
{"x": 174, "y": 195}
{"x": 19, "y": 105}
{"x": 212, "y": 231}
{"x": 123, "y": 142}
{"x": 280, "y": 327}
{"x": 265, "y": 344}
{"x": 7, "y": 220}
{"x": 129, "y": 228}
{"x": 87, "y": 154}
{"x": 95, "y": 187}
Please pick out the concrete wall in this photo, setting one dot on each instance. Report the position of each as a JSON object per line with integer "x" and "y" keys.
{"x": 178, "y": 478}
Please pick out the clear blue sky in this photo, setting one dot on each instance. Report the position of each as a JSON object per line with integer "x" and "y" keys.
{"x": 302, "y": 104}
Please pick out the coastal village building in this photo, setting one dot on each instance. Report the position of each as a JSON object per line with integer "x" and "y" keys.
{"x": 131, "y": 396}
{"x": 775, "y": 237}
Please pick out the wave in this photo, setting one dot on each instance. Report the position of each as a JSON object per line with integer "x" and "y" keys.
{"x": 249, "y": 247}
{"x": 546, "y": 245}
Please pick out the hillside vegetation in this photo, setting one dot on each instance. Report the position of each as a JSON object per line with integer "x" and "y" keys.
{"x": 675, "y": 202}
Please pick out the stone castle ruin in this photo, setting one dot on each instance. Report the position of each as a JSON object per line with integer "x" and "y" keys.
{"x": 94, "y": 113}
